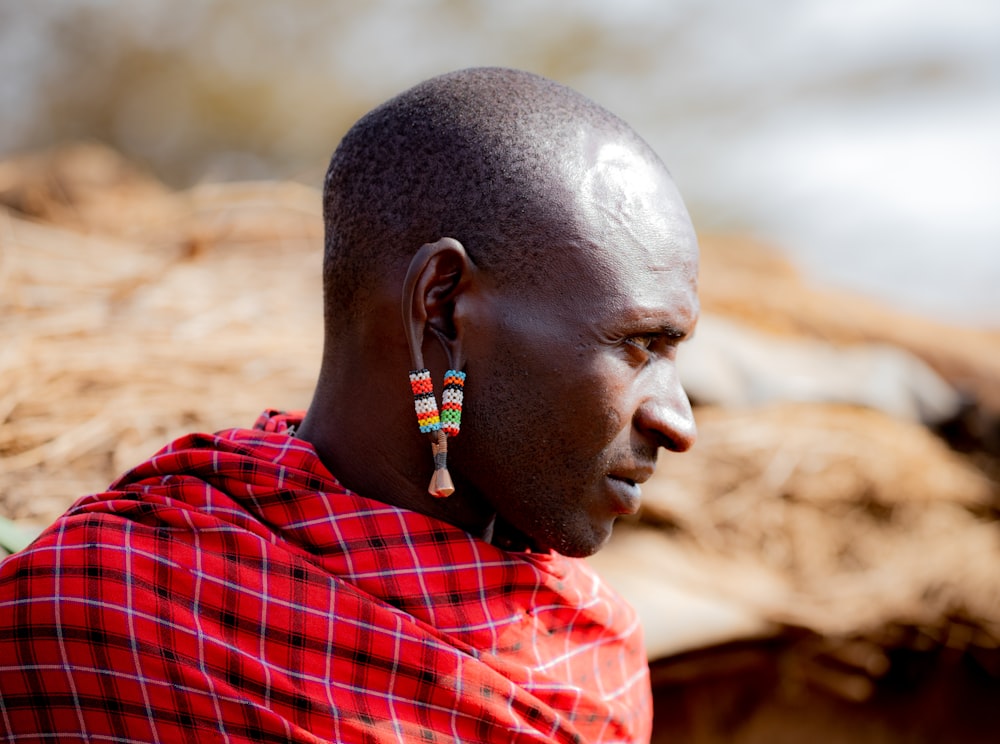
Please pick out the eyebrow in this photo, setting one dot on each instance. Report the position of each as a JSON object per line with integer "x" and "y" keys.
{"x": 666, "y": 329}
{"x": 656, "y": 321}
{"x": 672, "y": 332}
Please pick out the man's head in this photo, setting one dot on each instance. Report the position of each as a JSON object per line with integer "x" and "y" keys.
{"x": 568, "y": 281}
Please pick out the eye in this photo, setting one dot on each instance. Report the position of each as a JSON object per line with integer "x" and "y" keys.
{"x": 644, "y": 346}
{"x": 642, "y": 341}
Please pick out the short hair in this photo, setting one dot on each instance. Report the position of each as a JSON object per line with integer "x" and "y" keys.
{"x": 468, "y": 155}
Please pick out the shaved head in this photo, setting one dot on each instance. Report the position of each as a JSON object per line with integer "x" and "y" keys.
{"x": 483, "y": 155}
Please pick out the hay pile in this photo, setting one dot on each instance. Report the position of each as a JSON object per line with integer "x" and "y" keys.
{"x": 131, "y": 314}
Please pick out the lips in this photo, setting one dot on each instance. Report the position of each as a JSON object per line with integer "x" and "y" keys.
{"x": 626, "y": 494}
{"x": 635, "y": 474}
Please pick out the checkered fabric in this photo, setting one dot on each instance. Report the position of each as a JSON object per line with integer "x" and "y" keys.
{"x": 230, "y": 590}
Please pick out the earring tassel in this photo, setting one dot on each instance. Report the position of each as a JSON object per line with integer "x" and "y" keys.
{"x": 441, "y": 485}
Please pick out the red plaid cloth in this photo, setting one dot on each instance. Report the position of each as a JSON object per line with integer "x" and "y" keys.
{"x": 230, "y": 590}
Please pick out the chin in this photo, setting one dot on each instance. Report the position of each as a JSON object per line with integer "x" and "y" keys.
{"x": 583, "y": 545}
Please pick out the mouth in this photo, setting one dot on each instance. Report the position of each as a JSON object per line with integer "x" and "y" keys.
{"x": 626, "y": 494}
{"x": 624, "y": 479}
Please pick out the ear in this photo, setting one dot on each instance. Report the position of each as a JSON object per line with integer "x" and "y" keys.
{"x": 438, "y": 274}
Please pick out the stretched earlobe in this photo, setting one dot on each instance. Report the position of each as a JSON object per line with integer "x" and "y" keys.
{"x": 437, "y": 273}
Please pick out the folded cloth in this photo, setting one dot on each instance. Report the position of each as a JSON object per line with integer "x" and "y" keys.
{"x": 229, "y": 589}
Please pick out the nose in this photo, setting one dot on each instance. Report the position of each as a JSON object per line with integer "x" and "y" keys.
{"x": 665, "y": 412}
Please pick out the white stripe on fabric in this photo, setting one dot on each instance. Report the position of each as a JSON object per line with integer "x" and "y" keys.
{"x": 428, "y": 599}
{"x": 57, "y": 609}
{"x": 328, "y": 686}
{"x": 391, "y": 697}
{"x": 3, "y": 713}
{"x": 262, "y": 653}
{"x": 60, "y": 737}
{"x": 200, "y": 633}
{"x": 491, "y": 626}
{"x": 130, "y": 616}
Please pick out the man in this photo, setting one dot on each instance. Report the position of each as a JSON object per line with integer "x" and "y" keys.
{"x": 365, "y": 574}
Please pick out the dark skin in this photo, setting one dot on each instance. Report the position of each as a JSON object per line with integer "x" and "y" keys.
{"x": 572, "y": 386}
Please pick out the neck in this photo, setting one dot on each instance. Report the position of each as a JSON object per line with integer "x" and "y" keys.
{"x": 385, "y": 458}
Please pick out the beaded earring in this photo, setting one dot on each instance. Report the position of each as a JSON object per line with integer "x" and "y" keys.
{"x": 440, "y": 425}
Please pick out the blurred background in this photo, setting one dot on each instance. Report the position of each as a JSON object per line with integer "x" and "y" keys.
{"x": 860, "y": 137}
{"x": 822, "y": 566}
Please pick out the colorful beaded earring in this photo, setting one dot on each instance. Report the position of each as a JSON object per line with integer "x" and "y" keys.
{"x": 440, "y": 425}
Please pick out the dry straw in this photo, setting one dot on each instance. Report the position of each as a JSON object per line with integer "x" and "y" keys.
{"x": 131, "y": 315}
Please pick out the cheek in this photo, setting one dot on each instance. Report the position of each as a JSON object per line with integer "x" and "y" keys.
{"x": 600, "y": 393}
{"x": 593, "y": 412}
{"x": 549, "y": 406}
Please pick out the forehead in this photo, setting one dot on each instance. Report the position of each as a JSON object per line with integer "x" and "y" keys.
{"x": 636, "y": 254}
